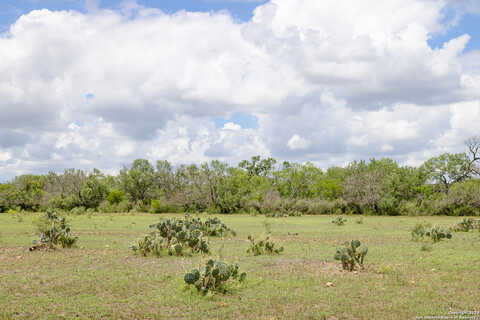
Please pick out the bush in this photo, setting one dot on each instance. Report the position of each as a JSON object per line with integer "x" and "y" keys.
{"x": 115, "y": 197}
{"x": 317, "y": 207}
{"x": 409, "y": 208}
{"x": 351, "y": 255}
{"x": 54, "y": 230}
{"x": 214, "y": 276}
{"x": 321, "y": 207}
{"x": 157, "y": 207}
{"x": 262, "y": 247}
{"x": 388, "y": 206}
{"x": 272, "y": 202}
{"x": 140, "y": 207}
{"x": 302, "y": 206}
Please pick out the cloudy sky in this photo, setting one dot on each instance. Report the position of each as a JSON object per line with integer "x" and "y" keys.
{"x": 98, "y": 83}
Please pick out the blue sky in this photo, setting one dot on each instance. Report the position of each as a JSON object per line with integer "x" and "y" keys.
{"x": 242, "y": 10}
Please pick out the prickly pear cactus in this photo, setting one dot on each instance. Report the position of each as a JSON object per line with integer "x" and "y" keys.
{"x": 339, "y": 221}
{"x": 54, "y": 230}
{"x": 418, "y": 232}
{"x": 351, "y": 254}
{"x": 174, "y": 237}
{"x": 214, "y": 276}
{"x": 466, "y": 225}
{"x": 438, "y": 233}
{"x": 262, "y": 247}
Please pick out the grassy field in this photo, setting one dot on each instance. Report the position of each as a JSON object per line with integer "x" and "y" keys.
{"x": 102, "y": 279}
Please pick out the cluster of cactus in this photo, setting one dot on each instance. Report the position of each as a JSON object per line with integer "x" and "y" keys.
{"x": 263, "y": 247}
{"x": 351, "y": 254}
{"x": 214, "y": 227}
{"x": 339, "y": 221}
{"x": 149, "y": 244}
{"x": 175, "y": 236}
{"x": 418, "y": 232}
{"x": 54, "y": 230}
{"x": 438, "y": 233}
{"x": 466, "y": 225}
{"x": 214, "y": 276}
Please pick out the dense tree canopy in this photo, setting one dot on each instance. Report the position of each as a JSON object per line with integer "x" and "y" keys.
{"x": 445, "y": 184}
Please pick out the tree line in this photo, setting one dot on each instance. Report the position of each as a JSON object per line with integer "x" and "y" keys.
{"x": 443, "y": 185}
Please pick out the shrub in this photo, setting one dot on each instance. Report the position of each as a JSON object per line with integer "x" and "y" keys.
{"x": 214, "y": 276}
{"x": 157, "y": 206}
{"x": 115, "y": 197}
{"x": 123, "y": 206}
{"x": 409, "y": 208}
{"x": 351, "y": 254}
{"x": 302, "y": 205}
{"x": 140, "y": 207}
{"x": 339, "y": 221}
{"x": 294, "y": 213}
{"x": 54, "y": 230}
{"x": 321, "y": 207}
{"x": 263, "y": 247}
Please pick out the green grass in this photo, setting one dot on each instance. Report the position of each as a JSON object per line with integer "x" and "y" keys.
{"x": 102, "y": 279}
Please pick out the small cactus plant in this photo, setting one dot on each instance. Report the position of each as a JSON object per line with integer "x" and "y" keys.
{"x": 351, "y": 254}
{"x": 213, "y": 276}
{"x": 263, "y": 247}
{"x": 438, "y": 233}
{"x": 54, "y": 230}
{"x": 339, "y": 221}
{"x": 418, "y": 232}
{"x": 466, "y": 225}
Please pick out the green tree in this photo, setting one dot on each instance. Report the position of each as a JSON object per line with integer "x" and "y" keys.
{"x": 94, "y": 189}
{"x": 138, "y": 181}
{"x": 447, "y": 169}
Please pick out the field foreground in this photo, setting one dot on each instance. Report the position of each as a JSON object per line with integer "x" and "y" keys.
{"x": 103, "y": 279}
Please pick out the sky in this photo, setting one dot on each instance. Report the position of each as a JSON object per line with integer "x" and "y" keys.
{"x": 99, "y": 83}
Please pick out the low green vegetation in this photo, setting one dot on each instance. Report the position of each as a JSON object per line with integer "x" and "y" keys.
{"x": 177, "y": 237}
{"x": 438, "y": 233}
{"x": 466, "y": 225}
{"x": 265, "y": 246}
{"x": 339, "y": 221}
{"x": 351, "y": 254}
{"x": 214, "y": 276}
{"x": 54, "y": 231}
{"x": 100, "y": 278}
